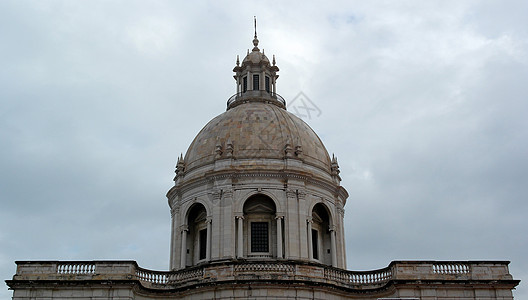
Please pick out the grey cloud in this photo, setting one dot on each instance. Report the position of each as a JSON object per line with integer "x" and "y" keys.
{"x": 423, "y": 104}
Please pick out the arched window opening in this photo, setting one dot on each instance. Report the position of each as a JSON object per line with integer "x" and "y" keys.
{"x": 315, "y": 243}
{"x": 260, "y": 230}
{"x": 267, "y": 84}
{"x": 197, "y": 235}
{"x": 256, "y": 82}
{"x": 321, "y": 236}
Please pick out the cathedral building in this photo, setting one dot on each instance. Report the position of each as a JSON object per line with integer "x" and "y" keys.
{"x": 257, "y": 212}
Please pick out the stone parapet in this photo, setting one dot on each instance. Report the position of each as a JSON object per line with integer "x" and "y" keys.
{"x": 240, "y": 271}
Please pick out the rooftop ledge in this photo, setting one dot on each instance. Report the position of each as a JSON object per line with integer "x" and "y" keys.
{"x": 69, "y": 272}
{"x": 256, "y": 96}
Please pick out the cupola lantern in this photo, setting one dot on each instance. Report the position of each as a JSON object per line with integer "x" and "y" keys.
{"x": 256, "y": 78}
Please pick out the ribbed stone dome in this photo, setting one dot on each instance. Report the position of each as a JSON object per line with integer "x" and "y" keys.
{"x": 257, "y": 130}
{"x": 256, "y": 57}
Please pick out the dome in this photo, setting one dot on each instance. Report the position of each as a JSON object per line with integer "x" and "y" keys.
{"x": 256, "y": 57}
{"x": 257, "y": 130}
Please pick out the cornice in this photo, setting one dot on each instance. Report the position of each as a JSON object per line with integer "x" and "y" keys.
{"x": 209, "y": 177}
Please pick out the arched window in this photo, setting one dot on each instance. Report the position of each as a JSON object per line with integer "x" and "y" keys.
{"x": 320, "y": 234}
{"x": 197, "y": 240}
{"x": 256, "y": 82}
{"x": 260, "y": 230}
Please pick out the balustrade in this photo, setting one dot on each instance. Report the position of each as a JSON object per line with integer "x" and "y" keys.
{"x": 186, "y": 275}
{"x": 76, "y": 268}
{"x": 359, "y": 278}
{"x": 152, "y": 276}
{"x": 451, "y": 268}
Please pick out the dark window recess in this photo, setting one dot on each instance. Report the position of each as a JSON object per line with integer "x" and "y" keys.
{"x": 203, "y": 243}
{"x": 259, "y": 237}
{"x": 256, "y": 86}
{"x": 315, "y": 246}
{"x": 267, "y": 84}
{"x": 244, "y": 84}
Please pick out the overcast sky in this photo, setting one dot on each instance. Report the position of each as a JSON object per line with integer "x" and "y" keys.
{"x": 424, "y": 103}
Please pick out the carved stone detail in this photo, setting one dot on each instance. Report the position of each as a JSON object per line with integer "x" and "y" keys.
{"x": 298, "y": 150}
{"x": 218, "y": 150}
{"x": 229, "y": 149}
{"x": 288, "y": 151}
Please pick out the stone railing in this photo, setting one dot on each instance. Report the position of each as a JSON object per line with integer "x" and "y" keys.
{"x": 376, "y": 277}
{"x": 451, "y": 268}
{"x": 155, "y": 277}
{"x": 76, "y": 268}
{"x": 260, "y": 96}
{"x": 261, "y": 270}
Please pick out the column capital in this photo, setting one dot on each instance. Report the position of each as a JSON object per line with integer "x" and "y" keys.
{"x": 175, "y": 210}
{"x": 239, "y": 217}
{"x": 301, "y": 194}
{"x": 184, "y": 228}
{"x": 208, "y": 219}
{"x": 291, "y": 193}
{"x": 341, "y": 211}
{"x": 279, "y": 216}
{"x": 309, "y": 220}
{"x": 228, "y": 193}
{"x": 332, "y": 228}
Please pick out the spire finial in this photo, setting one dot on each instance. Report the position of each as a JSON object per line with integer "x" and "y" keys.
{"x": 255, "y": 40}
{"x": 255, "y": 19}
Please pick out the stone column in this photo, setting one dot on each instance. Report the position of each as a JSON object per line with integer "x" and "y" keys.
{"x": 209, "y": 234}
{"x": 174, "y": 237}
{"x": 262, "y": 80}
{"x": 340, "y": 236}
{"x": 183, "y": 259}
{"x": 309, "y": 222}
{"x": 250, "y": 81}
{"x": 279, "y": 236}
{"x": 240, "y": 237}
{"x": 333, "y": 247}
